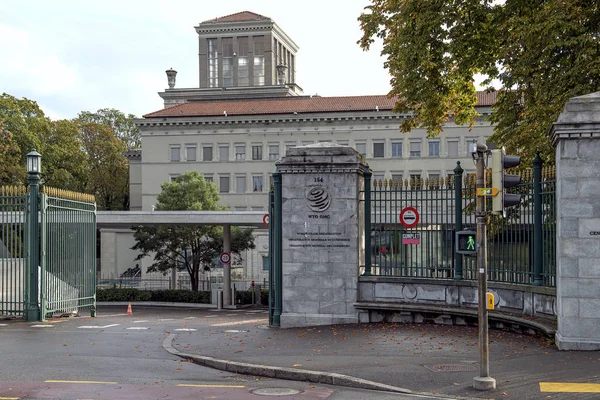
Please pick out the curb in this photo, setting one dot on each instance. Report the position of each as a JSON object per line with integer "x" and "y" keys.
{"x": 293, "y": 374}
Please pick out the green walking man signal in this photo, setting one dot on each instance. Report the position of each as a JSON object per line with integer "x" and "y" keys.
{"x": 466, "y": 242}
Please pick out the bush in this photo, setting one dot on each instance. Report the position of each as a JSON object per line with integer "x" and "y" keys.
{"x": 176, "y": 296}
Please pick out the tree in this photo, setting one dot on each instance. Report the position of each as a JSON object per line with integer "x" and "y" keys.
{"x": 64, "y": 159}
{"x": 24, "y": 126}
{"x": 122, "y": 125}
{"x": 193, "y": 248}
{"x": 11, "y": 170}
{"x": 541, "y": 52}
{"x": 107, "y": 170}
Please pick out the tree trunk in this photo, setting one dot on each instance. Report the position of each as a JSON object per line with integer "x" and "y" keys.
{"x": 195, "y": 275}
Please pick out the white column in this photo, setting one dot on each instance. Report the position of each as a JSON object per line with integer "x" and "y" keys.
{"x": 227, "y": 299}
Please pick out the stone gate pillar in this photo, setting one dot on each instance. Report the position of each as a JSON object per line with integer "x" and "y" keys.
{"x": 576, "y": 136}
{"x": 322, "y": 234}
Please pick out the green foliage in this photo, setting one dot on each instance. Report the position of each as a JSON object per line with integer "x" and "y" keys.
{"x": 177, "y": 296}
{"x": 121, "y": 125}
{"x": 84, "y": 154}
{"x": 107, "y": 168}
{"x": 542, "y": 53}
{"x": 188, "y": 247}
{"x": 11, "y": 170}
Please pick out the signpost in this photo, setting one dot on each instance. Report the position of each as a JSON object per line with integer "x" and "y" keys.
{"x": 411, "y": 238}
{"x": 225, "y": 257}
{"x": 409, "y": 217}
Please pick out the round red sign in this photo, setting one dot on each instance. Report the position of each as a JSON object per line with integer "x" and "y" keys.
{"x": 225, "y": 257}
{"x": 409, "y": 217}
{"x": 266, "y": 219}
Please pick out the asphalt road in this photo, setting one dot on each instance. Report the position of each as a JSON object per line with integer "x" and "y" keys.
{"x": 119, "y": 356}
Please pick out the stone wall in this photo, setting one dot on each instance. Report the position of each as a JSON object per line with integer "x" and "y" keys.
{"x": 320, "y": 234}
{"x": 576, "y": 135}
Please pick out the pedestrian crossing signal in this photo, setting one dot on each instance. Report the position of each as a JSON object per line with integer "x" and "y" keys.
{"x": 466, "y": 242}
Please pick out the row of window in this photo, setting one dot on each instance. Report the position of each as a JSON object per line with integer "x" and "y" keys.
{"x": 191, "y": 152}
{"x": 257, "y": 180}
{"x": 240, "y": 181}
{"x": 229, "y": 57}
{"x": 379, "y": 150}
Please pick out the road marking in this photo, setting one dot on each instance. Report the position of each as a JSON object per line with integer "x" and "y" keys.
{"x": 256, "y": 311}
{"x": 9, "y": 398}
{"x": 211, "y": 386}
{"x": 137, "y": 328}
{"x": 560, "y": 387}
{"x": 167, "y": 319}
{"x": 97, "y": 326}
{"x": 190, "y": 317}
{"x": 88, "y": 382}
{"x": 211, "y": 316}
{"x": 116, "y": 315}
{"x": 42, "y": 326}
{"x": 250, "y": 321}
{"x": 186, "y": 329}
{"x": 137, "y": 322}
{"x": 3, "y": 325}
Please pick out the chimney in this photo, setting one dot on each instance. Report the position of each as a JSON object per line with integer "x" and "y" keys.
{"x": 171, "y": 75}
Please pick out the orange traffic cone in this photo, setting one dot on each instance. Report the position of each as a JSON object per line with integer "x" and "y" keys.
{"x": 129, "y": 309}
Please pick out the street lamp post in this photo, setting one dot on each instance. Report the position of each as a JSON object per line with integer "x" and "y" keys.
{"x": 34, "y": 168}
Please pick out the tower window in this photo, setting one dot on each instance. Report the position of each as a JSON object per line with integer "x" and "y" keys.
{"x": 213, "y": 63}
{"x": 227, "y": 44}
{"x": 259, "y": 61}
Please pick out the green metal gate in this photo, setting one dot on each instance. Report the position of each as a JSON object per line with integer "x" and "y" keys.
{"x": 68, "y": 240}
{"x": 47, "y": 252}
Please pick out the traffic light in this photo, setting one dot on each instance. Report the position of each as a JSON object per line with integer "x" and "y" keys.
{"x": 466, "y": 242}
{"x": 501, "y": 181}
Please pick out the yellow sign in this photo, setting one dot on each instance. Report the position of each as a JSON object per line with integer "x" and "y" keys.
{"x": 490, "y": 301}
{"x": 487, "y": 192}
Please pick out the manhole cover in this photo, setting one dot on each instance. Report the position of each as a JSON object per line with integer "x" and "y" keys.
{"x": 451, "y": 367}
{"x": 235, "y": 331}
{"x": 276, "y": 392}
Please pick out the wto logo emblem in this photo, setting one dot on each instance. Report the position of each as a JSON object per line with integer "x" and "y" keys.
{"x": 318, "y": 199}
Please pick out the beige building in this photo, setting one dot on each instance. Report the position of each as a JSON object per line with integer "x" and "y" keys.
{"x": 248, "y": 110}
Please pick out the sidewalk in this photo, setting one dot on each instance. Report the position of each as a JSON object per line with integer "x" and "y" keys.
{"x": 437, "y": 359}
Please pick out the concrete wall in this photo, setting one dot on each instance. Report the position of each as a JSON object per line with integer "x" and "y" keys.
{"x": 576, "y": 135}
{"x": 515, "y": 299}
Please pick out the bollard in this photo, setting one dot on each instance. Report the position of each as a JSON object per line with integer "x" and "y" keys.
{"x": 219, "y": 299}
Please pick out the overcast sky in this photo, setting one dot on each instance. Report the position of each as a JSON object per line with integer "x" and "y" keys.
{"x": 71, "y": 56}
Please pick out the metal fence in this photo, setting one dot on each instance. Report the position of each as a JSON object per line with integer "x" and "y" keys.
{"x": 521, "y": 247}
{"x": 13, "y": 202}
{"x": 183, "y": 282}
{"x": 47, "y": 252}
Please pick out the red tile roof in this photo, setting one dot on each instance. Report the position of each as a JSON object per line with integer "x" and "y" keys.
{"x": 238, "y": 17}
{"x": 289, "y": 105}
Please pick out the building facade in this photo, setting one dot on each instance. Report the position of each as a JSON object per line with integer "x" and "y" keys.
{"x": 248, "y": 111}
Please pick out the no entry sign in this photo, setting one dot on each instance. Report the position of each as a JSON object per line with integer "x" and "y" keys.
{"x": 409, "y": 217}
{"x": 225, "y": 257}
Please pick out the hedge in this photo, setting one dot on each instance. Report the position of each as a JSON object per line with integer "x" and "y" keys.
{"x": 177, "y": 296}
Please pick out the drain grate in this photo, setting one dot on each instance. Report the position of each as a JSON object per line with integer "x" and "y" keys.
{"x": 451, "y": 367}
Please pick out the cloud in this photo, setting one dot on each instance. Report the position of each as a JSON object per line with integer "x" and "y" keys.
{"x": 29, "y": 65}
